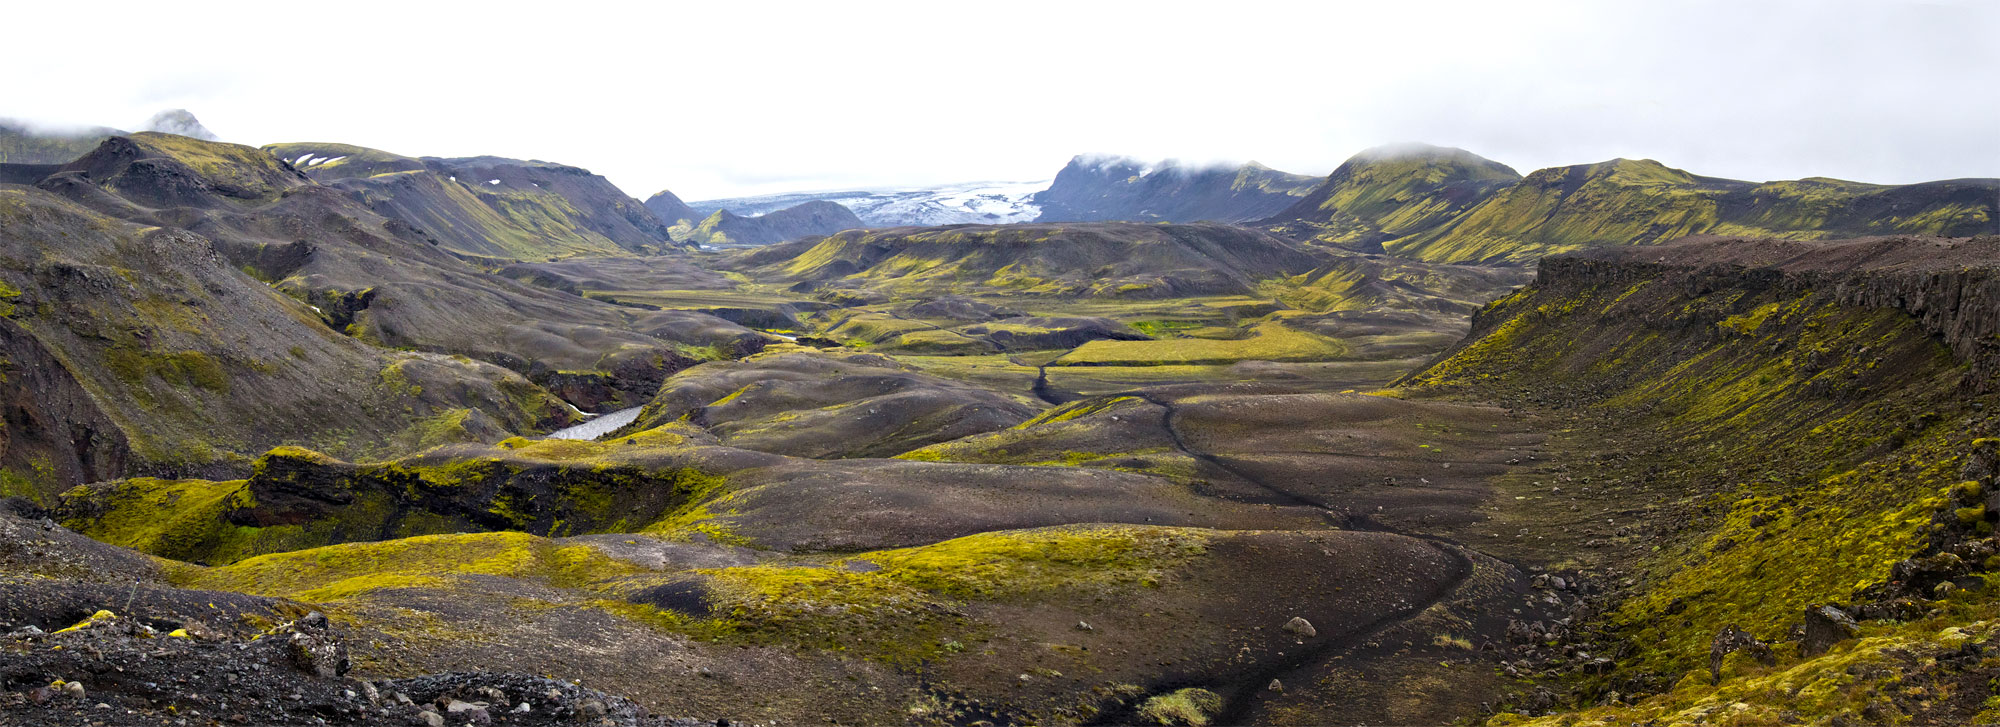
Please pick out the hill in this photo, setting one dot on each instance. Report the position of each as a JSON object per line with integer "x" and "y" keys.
{"x": 379, "y": 279}
{"x": 488, "y": 206}
{"x": 1790, "y": 444}
{"x": 791, "y": 223}
{"x": 1093, "y": 189}
{"x": 132, "y": 348}
{"x": 671, "y": 210}
{"x": 1099, "y": 259}
{"x": 1449, "y": 206}
{"x": 1392, "y": 192}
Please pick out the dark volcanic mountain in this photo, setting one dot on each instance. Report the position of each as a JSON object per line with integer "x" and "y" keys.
{"x": 1120, "y": 188}
{"x": 791, "y": 223}
{"x": 671, "y": 210}
{"x": 488, "y": 206}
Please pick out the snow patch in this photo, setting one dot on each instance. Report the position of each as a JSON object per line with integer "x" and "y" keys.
{"x": 990, "y": 203}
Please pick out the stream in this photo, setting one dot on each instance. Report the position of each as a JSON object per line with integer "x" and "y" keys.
{"x": 598, "y": 425}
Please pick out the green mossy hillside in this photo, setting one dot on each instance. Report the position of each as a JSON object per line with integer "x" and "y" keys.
{"x": 340, "y": 572}
{"x": 1798, "y": 447}
{"x": 487, "y": 206}
{"x": 1268, "y": 341}
{"x": 1392, "y": 192}
{"x": 896, "y": 606}
{"x": 1891, "y": 674}
{"x": 299, "y": 498}
{"x": 906, "y": 606}
{"x": 1643, "y": 202}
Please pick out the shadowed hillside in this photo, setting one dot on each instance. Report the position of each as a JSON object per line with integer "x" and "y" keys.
{"x": 1094, "y": 189}
{"x": 488, "y": 206}
{"x": 790, "y": 223}
{"x": 141, "y": 349}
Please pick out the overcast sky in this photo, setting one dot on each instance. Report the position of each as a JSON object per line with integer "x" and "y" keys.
{"x": 730, "y": 98}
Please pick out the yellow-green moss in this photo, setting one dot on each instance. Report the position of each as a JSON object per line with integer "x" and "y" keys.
{"x": 1271, "y": 341}
{"x": 1849, "y": 683}
{"x": 1191, "y": 707}
{"x": 339, "y": 572}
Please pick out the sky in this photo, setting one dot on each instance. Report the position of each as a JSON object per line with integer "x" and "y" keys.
{"x": 723, "y": 99}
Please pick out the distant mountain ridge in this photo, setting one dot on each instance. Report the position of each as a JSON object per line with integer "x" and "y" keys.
{"x": 1095, "y": 188}
{"x": 488, "y": 206}
{"x": 22, "y": 143}
{"x": 818, "y": 217}
{"x": 1451, "y": 206}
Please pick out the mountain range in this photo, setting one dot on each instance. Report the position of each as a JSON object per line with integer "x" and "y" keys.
{"x": 1448, "y": 205}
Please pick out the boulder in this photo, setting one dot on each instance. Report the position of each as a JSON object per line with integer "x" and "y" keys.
{"x": 1824, "y": 627}
{"x": 1301, "y": 628}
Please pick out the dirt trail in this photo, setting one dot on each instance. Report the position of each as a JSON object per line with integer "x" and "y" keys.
{"x": 1240, "y": 694}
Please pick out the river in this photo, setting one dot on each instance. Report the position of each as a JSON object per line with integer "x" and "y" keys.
{"x": 598, "y": 425}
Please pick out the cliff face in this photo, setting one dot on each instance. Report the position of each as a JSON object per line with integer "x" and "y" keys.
{"x": 1951, "y": 287}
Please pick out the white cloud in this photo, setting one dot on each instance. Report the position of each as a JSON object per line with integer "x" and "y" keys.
{"x": 732, "y": 98}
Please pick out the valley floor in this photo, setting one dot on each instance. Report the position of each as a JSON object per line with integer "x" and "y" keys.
{"x": 1613, "y": 501}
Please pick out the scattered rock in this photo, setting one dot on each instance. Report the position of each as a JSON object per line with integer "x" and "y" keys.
{"x": 1300, "y": 627}
{"x": 431, "y": 718}
{"x": 1731, "y": 639}
{"x": 74, "y": 689}
{"x": 1276, "y": 686}
{"x": 1824, "y": 627}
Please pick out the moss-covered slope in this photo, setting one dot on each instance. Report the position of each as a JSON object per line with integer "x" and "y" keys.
{"x": 297, "y": 498}
{"x": 1392, "y": 192}
{"x": 827, "y": 406}
{"x": 1790, "y": 418}
{"x": 818, "y": 217}
{"x": 1627, "y": 202}
{"x": 1094, "y": 259}
{"x": 379, "y": 279}
{"x": 137, "y": 349}
{"x": 488, "y": 206}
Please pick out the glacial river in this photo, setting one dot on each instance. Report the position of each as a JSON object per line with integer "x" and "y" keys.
{"x": 597, "y": 426}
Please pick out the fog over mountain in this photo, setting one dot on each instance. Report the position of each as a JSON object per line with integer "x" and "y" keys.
{"x": 1894, "y": 91}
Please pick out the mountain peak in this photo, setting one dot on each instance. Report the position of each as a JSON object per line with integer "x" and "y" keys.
{"x": 179, "y": 122}
{"x": 1431, "y": 155}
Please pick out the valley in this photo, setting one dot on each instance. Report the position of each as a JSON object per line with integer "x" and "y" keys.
{"x": 291, "y": 438}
